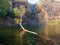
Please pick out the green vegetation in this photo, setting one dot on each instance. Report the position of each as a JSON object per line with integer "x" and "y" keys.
{"x": 19, "y": 12}
{"x": 55, "y": 22}
{"x": 4, "y": 7}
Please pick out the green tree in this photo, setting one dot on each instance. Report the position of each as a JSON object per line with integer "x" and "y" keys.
{"x": 4, "y": 7}
{"x": 20, "y": 12}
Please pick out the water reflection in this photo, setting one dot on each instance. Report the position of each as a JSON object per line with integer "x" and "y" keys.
{"x": 51, "y": 31}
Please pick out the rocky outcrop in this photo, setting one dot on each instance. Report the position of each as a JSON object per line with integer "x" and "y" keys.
{"x": 49, "y": 10}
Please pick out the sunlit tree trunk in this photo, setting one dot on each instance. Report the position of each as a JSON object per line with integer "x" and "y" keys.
{"x": 24, "y": 31}
{"x": 27, "y": 30}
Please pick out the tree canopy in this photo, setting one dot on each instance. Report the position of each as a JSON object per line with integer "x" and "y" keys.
{"x": 4, "y": 7}
{"x": 19, "y": 12}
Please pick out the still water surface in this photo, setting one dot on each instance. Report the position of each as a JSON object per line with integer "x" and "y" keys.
{"x": 51, "y": 31}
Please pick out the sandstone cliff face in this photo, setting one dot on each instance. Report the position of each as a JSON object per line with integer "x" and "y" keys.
{"x": 49, "y": 13}
{"x": 49, "y": 10}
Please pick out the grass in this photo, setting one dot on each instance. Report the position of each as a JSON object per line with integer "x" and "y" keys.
{"x": 55, "y": 22}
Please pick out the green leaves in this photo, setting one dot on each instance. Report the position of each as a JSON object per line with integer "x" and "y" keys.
{"x": 19, "y": 12}
{"x": 4, "y": 6}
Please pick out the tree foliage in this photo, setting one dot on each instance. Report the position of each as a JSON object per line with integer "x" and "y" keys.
{"x": 4, "y": 7}
{"x": 19, "y": 12}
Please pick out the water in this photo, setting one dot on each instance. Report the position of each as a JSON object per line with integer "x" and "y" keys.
{"x": 50, "y": 31}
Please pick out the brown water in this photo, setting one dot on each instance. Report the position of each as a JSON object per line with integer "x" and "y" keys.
{"x": 51, "y": 31}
